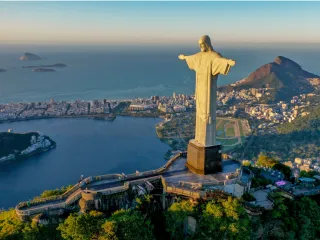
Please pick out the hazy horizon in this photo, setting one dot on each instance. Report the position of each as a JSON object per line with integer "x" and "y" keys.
{"x": 159, "y": 23}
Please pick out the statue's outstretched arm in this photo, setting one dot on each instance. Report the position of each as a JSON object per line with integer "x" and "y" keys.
{"x": 231, "y": 62}
{"x": 191, "y": 60}
{"x": 182, "y": 57}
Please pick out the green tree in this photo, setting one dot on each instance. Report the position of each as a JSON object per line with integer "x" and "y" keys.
{"x": 309, "y": 174}
{"x": 144, "y": 204}
{"x": 49, "y": 193}
{"x": 283, "y": 168}
{"x": 265, "y": 161}
{"x": 127, "y": 225}
{"x": 246, "y": 163}
{"x": 307, "y": 214}
{"x": 82, "y": 226}
{"x": 175, "y": 217}
{"x": 292, "y": 219}
{"x": 11, "y": 227}
{"x": 224, "y": 219}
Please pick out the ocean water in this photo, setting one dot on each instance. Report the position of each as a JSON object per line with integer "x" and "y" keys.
{"x": 117, "y": 72}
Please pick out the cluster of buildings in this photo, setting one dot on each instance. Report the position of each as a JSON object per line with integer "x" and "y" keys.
{"x": 280, "y": 112}
{"x": 247, "y": 95}
{"x": 175, "y": 104}
{"x": 36, "y": 144}
{"x": 21, "y": 111}
{"x": 306, "y": 164}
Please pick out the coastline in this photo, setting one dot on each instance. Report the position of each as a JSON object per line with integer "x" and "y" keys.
{"x": 95, "y": 117}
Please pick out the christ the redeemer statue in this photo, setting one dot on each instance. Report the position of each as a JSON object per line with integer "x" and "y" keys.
{"x": 204, "y": 156}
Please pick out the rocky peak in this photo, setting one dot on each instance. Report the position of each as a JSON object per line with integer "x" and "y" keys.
{"x": 287, "y": 63}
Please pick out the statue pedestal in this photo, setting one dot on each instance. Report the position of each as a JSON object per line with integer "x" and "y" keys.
{"x": 203, "y": 160}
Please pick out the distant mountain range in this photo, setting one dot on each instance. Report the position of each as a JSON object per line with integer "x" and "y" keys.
{"x": 284, "y": 77}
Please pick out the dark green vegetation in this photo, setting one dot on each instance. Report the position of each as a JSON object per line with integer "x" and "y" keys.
{"x": 178, "y": 131}
{"x": 308, "y": 174}
{"x": 11, "y": 228}
{"x": 9, "y": 142}
{"x": 269, "y": 162}
{"x": 300, "y": 138}
{"x": 55, "y": 192}
{"x": 259, "y": 181}
{"x": 248, "y": 197}
{"x": 121, "y": 107}
{"x": 283, "y": 77}
{"x": 222, "y": 218}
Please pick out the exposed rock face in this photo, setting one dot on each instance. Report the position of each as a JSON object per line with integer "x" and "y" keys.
{"x": 2, "y": 70}
{"x": 29, "y": 57}
{"x": 280, "y": 65}
{"x": 283, "y": 75}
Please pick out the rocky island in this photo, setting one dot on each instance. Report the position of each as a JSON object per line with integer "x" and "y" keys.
{"x": 43, "y": 70}
{"x": 2, "y": 70}
{"x": 29, "y": 57}
{"x": 57, "y": 65}
{"x": 18, "y": 146}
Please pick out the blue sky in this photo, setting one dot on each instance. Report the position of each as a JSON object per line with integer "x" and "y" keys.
{"x": 159, "y": 22}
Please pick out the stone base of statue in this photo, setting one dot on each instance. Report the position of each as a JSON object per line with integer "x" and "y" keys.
{"x": 203, "y": 160}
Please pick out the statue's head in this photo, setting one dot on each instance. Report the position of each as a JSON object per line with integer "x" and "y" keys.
{"x": 205, "y": 44}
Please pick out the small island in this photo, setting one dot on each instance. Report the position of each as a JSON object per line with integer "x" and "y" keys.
{"x": 29, "y": 57}
{"x": 21, "y": 145}
{"x": 57, "y": 65}
{"x": 43, "y": 70}
{"x": 2, "y": 70}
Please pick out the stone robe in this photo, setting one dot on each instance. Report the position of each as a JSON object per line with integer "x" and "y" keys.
{"x": 207, "y": 65}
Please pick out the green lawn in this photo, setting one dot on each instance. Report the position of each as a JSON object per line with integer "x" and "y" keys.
{"x": 220, "y": 126}
{"x": 230, "y": 131}
{"x": 240, "y": 128}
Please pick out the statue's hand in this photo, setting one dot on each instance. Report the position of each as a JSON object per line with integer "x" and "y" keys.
{"x": 181, "y": 57}
{"x": 231, "y": 62}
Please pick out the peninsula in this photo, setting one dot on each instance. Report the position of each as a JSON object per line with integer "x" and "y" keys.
{"x": 18, "y": 146}
{"x": 29, "y": 57}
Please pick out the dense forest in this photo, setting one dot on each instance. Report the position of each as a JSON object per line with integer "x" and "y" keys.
{"x": 222, "y": 218}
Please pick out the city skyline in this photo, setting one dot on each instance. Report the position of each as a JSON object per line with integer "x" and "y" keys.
{"x": 158, "y": 22}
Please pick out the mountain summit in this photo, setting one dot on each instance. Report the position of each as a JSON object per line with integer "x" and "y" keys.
{"x": 283, "y": 76}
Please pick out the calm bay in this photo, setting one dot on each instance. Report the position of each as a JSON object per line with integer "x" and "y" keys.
{"x": 84, "y": 147}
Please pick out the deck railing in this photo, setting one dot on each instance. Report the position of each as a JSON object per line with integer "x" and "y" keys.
{"x": 67, "y": 198}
